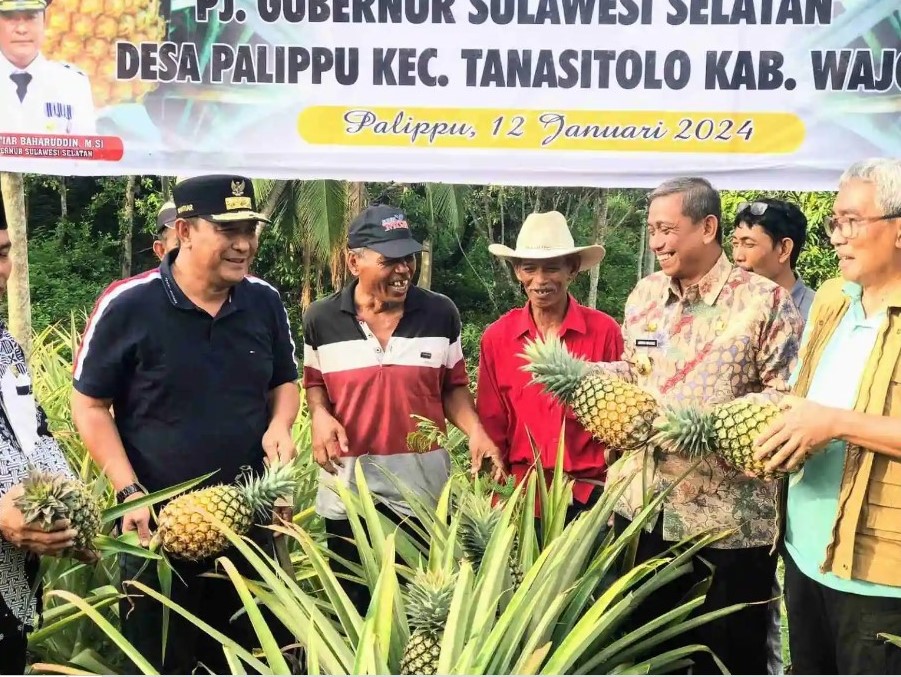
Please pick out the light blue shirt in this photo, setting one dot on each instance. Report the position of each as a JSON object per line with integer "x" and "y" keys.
{"x": 802, "y": 295}
{"x": 813, "y": 492}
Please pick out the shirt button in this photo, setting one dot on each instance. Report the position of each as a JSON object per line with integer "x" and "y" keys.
{"x": 378, "y": 350}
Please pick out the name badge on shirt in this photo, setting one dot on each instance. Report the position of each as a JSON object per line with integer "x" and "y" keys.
{"x": 646, "y": 343}
{"x": 58, "y": 110}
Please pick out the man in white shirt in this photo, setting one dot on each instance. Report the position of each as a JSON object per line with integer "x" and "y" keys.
{"x": 38, "y": 96}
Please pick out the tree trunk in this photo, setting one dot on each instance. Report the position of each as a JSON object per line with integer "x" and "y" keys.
{"x": 306, "y": 292}
{"x": 127, "y": 229}
{"x": 600, "y": 229}
{"x": 320, "y": 282}
{"x": 357, "y": 196}
{"x": 642, "y": 245}
{"x": 275, "y": 195}
{"x": 167, "y": 184}
{"x": 650, "y": 260}
{"x": 338, "y": 267}
{"x": 12, "y": 187}
{"x": 63, "y": 199}
{"x": 425, "y": 270}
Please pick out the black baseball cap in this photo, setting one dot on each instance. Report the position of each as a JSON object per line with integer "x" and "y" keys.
{"x": 384, "y": 229}
{"x": 220, "y": 198}
{"x": 165, "y": 217}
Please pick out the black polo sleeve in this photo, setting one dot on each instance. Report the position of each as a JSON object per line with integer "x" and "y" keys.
{"x": 284, "y": 368}
{"x": 107, "y": 351}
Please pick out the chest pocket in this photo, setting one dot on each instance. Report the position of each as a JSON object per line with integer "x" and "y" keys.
{"x": 18, "y": 403}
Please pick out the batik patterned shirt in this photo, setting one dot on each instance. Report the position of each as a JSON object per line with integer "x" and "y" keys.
{"x": 733, "y": 334}
{"x": 25, "y": 440}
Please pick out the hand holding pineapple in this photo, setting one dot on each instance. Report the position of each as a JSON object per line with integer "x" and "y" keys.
{"x": 185, "y": 528}
{"x": 801, "y": 429}
{"x": 53, "y": 536}
{"x": 138, "y": 520}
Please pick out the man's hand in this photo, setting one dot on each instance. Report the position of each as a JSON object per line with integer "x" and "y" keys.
{"x": 278, "y": 444}
{"x": 804, "y": 428}
{"x": 329, "y": 441}
{"x": 31, "y": 537}
{"x": 137, "y": 520}
{"x": 482, "y": 448}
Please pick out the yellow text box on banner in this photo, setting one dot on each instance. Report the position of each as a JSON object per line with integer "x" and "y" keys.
{"x": 582, "y": 130}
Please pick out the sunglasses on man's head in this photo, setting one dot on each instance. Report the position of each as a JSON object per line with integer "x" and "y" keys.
{"x": 757, "y": 208}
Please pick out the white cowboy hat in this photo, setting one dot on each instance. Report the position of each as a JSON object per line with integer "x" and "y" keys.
{"x": 545, "y": 235}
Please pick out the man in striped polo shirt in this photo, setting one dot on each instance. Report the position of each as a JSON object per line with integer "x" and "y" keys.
{"x": 376, "y": 353}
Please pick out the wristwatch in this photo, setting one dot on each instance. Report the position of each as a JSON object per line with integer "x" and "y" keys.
{"x": 128, "y": 491}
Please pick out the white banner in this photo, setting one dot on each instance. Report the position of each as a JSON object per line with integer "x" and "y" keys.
{"x": 749, "y": 93}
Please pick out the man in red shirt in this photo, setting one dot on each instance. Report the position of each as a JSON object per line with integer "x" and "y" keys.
{"x": 510, "y": 407}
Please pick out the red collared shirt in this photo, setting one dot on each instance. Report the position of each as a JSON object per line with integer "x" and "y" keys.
{"x": 511, "y": 408}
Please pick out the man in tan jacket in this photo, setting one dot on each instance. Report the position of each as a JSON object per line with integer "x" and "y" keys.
{"x": 841, "y": 511}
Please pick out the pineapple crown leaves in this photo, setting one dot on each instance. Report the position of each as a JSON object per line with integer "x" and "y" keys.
{"x": 685, "y": 430}
{"x": 277, "y": 480}
{"x": 554, "y": 367}
{"x": 44, "y": 496}
{"x": 429, "y": 597}
{"x": 478, "y": 519}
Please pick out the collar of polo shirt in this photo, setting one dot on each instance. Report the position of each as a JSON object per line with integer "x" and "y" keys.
{"x": 180, "y": 300}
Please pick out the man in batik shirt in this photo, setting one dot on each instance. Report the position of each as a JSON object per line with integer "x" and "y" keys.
{"x": 702, "y": 332}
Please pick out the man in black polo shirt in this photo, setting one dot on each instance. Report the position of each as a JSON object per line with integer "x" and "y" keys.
{"x": 375, "y": 354}
{"x": 197, "y": 361}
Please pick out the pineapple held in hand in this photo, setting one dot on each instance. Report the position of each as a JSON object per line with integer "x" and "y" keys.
{"x": 728, "y": 430}
{"x": 187, "y": 532}
{"x": 616, "y": 412}
{"x": 48, "y": 498}
{"x": 428, "y": 606}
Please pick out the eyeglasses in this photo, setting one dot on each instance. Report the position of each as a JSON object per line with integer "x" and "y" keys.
{"x": 851, "y": 226}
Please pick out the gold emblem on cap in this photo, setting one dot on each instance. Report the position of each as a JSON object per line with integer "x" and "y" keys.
{"x": 237, "y": 188}
{"x": 237, "y": 203}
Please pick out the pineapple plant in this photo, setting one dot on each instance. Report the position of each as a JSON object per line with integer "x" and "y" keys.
{"x": 428, "y": 603}
{"x": 49, "y": 497}
{"x": 617, "y": 413}
{"x": 185, "y": 529}
{"x": 84, "y": 34}
{"x": 478, "y": 519}
{"x": 727, "y": 430}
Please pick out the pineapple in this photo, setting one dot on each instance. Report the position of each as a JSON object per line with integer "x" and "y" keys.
{"x": 728, "y": 430}
{"x": 187, "y": 532}
{"x": 50, "y": 497}
{"x": 616, "y": 412}
{"x": 478, "y": 519}
{"x": 429, "y": 598}
{"x": 84, "y": 33}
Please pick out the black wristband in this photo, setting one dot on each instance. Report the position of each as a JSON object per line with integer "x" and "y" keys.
{"x": 128, "y": 491}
